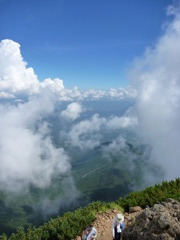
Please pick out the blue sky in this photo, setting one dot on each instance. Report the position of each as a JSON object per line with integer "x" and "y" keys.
{"x": 89, "y": 44}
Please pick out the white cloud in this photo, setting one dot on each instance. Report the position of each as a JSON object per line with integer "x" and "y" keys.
{"x": 114, "y": 148}
{"x": 14, "y": 75}
{"x": 70, "y": 195}
{"x": 93, "y": 94}
{"x": 27, "y": 154}
{"x": 72, "y": 111}
{"x": 6, "y": 95}
{"x": 88, "y": 133}
{"x": 85, "y": 134}
{"x": 55, "y": 85}
{"x": 157, "y": 78}
{"x": 16, "y": 79}
{"x": 121, "y": 122}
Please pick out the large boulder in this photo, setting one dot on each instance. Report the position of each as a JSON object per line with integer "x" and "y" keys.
{"x": 161, "y": 222}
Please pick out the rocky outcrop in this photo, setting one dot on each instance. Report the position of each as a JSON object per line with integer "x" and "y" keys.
{"x": 161, "y": 222}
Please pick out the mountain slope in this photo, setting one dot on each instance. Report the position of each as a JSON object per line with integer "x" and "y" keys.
{"x": 71, "y": 224}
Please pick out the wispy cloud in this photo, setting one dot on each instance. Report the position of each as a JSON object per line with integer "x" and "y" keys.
{"x": 88, "y": 133}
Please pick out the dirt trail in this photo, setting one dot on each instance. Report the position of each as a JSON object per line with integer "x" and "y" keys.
{"x": 103, "y": 222}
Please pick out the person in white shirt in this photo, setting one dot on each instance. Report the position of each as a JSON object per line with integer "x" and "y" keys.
{"x": 90, "y": 233}
{"x": 118, "y": 226}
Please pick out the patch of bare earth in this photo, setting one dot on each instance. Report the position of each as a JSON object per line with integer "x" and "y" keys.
{"x": 103, "y": 222}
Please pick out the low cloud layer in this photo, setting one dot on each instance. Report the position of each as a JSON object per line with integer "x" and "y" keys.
{"x": 157, "y": 79}
{"x": 28, "y": 155}
{"x": 89, "y": 133}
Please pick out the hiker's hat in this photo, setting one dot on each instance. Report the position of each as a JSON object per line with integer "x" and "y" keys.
{"x": 120, "y": 217}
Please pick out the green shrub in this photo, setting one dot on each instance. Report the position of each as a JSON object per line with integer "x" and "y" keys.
{"x": 151, "y": 195}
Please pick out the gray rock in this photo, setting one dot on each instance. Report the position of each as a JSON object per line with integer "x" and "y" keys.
{"x": 161, "y": 222}
{"x": 135, "y": 209}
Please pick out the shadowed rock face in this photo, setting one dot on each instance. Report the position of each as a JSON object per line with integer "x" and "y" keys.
{"x": 161, "y": 222}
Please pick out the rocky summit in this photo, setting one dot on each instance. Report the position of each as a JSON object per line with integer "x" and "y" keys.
{"x": 160, "y": 222}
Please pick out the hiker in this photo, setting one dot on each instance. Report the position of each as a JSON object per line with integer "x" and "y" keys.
{"x": 84, "y": 234}
{"x": 89, "y": 233}
{"x": 118, "y": 226}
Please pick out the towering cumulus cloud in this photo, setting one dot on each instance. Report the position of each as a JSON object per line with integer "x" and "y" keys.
{"x": 14, "y": 76}
{"x": 157, "y": 77}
